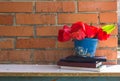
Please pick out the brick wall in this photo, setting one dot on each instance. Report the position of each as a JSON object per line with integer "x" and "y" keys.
{"x": 28, "y": 30}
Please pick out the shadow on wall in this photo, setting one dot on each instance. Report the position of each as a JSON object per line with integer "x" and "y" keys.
{"x": 118, "y": 35}
{"x": 118, "y": 7}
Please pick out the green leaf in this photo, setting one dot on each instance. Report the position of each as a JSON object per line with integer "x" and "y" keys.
{"x": 108, "y": 28}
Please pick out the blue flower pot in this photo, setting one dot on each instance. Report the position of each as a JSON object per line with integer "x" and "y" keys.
{"x": 88, "y": 45}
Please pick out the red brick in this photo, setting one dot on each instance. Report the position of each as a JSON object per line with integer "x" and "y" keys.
{"x": 16, "y": 31}
{"x": 97, "y": 6}
{"x": 35, "y": 19}
{"x": 50, "y": 55}
{"x": 47, "y": 31}
{"x": 72, "y": 18}
{"x": 15, "y": 56}
{"x": 110, "y": 42}
{"x": 6, "y": 43}
{"x": 108, "y": 17}
{"x": 68, "y": 44}
{"x": 16, "y": 6}
{"x": 67, "y": 6}
{"x": 19, "y": 56}
{"x": 110, "y": 63}
{"x": 4, "y": 56}
{"x": 6, "y": 19}
{"x": 36, "y": 43}
{"x": 109, "y": 53}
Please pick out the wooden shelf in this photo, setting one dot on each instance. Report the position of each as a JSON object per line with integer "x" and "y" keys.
{"x": 53, "y": 70}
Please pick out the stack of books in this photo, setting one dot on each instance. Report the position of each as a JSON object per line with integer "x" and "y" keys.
{"x": 82, "y": 63}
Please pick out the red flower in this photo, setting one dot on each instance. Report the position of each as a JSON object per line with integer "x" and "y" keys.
{"x": 64, "y": 34}
{"x": 78, "y": 31}
{"x": 91, "y": 31}
{"x": 102, "y": 35}
{"x": 79, "y": 35}
{"x": 81, "y": 30}
{"x": 78, "y": 26}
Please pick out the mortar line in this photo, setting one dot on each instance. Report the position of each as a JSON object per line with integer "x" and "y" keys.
{"x": 34, "y": 26}
{"x": 76, "y": 6}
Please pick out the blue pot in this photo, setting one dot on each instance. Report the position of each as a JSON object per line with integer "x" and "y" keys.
{"x": 86, "y": 47}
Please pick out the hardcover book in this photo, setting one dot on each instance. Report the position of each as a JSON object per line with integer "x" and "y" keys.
{"x": 73, "y": 58}
{"x": 99, "y": 69}
{"x": 79, "y": 64}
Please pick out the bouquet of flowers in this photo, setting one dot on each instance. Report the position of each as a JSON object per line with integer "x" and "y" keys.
{"x": 80, "y": 31}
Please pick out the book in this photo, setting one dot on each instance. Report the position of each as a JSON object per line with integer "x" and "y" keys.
{"x": 79, "y": 64}
{"x": 73, "y": 58}
{"x": 98, "y": 69}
